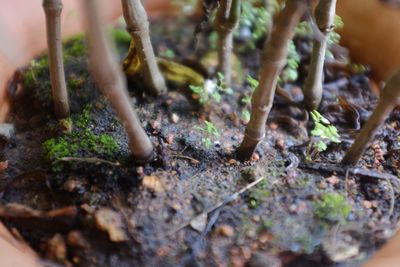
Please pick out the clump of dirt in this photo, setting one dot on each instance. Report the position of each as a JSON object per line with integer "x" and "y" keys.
{"x": 74, "y": 193}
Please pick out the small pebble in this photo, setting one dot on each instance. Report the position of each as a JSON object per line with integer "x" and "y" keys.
{"x": 225, "y": 230}
{"x": 174, "y": 118}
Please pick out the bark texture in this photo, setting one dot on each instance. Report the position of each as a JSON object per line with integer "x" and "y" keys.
{"x": 138, "y": 27}
{"x": 109, "y": 78}
{"x": 52, "y": 9}
{"x": 274, "y": 60}
{"x": 325, "y": 18}
{"x": 390, "y": 98}
{"x": 226, "y": 21}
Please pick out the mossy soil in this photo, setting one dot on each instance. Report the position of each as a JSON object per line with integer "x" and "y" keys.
{"x": 297, "y": 216}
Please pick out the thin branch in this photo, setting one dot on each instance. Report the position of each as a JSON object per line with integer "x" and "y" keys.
{"x": 218, "y": 205}
{"x": 325, "y": 17}
{"x": 138, "y": 26}
{"x": 52, "y": 9}
{"x": 109, "y": 78}
{"x": 227, "y": 20}
{"x": 274, "y": 60}
{"x": 90, "y": 160}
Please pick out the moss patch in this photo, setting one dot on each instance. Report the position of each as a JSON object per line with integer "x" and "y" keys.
{"x": 80, "y": 142}
{"x": 332, "y": 207}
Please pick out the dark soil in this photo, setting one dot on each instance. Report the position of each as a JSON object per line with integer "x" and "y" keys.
{"x": 118, "y": 213}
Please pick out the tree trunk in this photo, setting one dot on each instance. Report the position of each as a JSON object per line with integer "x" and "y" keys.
{"x": 325, "y": 16}
{"x": 109, "y": 78}
{"x": 138, "y": 26}
{"x": 52, "y": 9}
{"x": 274, "y": 60}
{"x": 226, "y": 21}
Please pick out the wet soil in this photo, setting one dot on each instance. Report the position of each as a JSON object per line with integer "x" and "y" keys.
{"x": 103, "y": 209}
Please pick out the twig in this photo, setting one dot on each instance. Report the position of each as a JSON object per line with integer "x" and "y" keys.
{"x": 91, "y": 160}
{"x": 391, "y": 190}
{"x": 346, "y": 179}
{"x": 326, "y": 167}
{"x": 195, "y": 161}
{"x": 218, "y": 205}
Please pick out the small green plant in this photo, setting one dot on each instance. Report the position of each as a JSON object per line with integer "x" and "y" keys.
{"x": 211, "y": 131}
{"x": 246, "y": 99}
{"x": 211, "y": 90}
{"x": 258, "y": 194}
{"x": 290, "y": 72}
{"x": 256, "y": 18}
{"x": 168, "y": 53}
{"x": 323, "y": 134}
{"x": 332, "y": 207}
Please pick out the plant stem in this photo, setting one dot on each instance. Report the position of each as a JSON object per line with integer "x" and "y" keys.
{"x": 390, "y": 98}
{"x": 109, "y": 78}
{"x": 52, "y": 9}
{"x": 226, "y": 21}
{"x": 325, "y": 18}
{"x": 274, "y": 60}
{"x": 138, "y": 26}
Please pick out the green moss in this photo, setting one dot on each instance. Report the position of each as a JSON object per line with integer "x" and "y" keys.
{"x": 74, "y": 47}
{"x": 83, "y": 121}
{"x": 121, "y": 36}
{"x": 56, "y": 149}
{"x": 37, "y": 68}
{"x": 75, "y": 82}
{"x": 332, "y": 207}
{"x": 66, "y": 125}
{"x": 81, "y": 142}
{"x": 258, "y": 195}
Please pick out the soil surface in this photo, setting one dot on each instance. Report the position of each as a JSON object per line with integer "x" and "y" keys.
{"x": 73, "y": 192}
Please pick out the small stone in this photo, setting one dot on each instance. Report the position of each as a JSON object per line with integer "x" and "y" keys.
{"x": 155, "y": 125}
{"x": 322, "y": 185}
{"x": 176, "y": 206}
{"x": 265, "y": 237}
{"x": 280, "y": 143}
{"x": 232, "y": 161}
{"x": 56, "y": 248}
{"x": 7, "y": 131}
{"x": 333, "y": 179}
{"x": 367, "y": 204}
{"x": 174, "y": 118}
{"x": 259, "y": 259}
{"x": 225, "y": 230}
{"x": 153, "y": 184}
{"x": 170, "y": 138}
{"x": 88, "y": 209}
{"x": 199, "y": 222}
{"x": 76, "y": 239}
{"x": 140, "y": 170}
{"x": 255, "y": 157}
{"x": 111, "y": 222}
{"x": 3, "y": 165}
{"x": 73, "y": 185}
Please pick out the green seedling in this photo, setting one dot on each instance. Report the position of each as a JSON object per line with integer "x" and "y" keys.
{"x": 211, "y": 91}
{"x": 323, "y": 134}
{"x": 258, "y": 18}
{"x": 210, "y": 131}
{"x": 290, "y": 72}
{"x": 246, "y": 100}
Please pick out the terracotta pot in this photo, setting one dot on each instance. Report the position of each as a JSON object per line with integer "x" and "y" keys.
{"x": 370, "y": 33}
{"x": 23, "y": 36}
